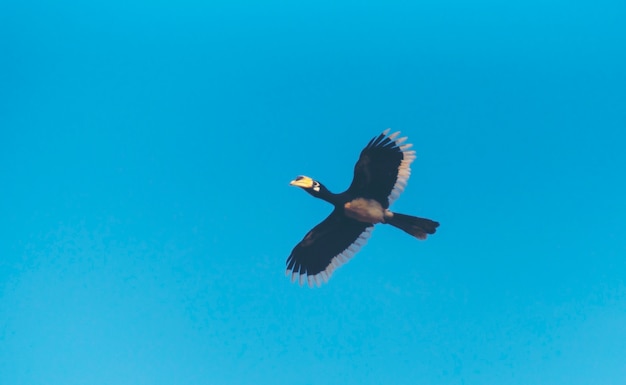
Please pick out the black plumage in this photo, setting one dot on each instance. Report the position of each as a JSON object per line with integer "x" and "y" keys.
{"x": 380, "y": 175}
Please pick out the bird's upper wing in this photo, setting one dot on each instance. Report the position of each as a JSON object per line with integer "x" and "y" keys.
{"x": 383, "y": 169}
{"x": 327, "y": 246}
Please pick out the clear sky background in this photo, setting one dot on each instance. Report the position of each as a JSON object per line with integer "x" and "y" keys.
{"x": 145, "y": 213}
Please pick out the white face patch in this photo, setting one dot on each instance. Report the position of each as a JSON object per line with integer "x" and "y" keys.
{"x": 316, "y": 186}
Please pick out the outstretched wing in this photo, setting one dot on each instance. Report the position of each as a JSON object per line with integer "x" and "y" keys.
{"x": 327, "y": 246}
{"x": 383, "y": 169}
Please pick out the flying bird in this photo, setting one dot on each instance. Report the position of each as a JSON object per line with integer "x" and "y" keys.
{"x": 380, "y": 175}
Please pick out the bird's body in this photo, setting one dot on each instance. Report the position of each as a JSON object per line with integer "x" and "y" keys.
{"x": 380, "y": 175}
{"x": 365, "y": 210}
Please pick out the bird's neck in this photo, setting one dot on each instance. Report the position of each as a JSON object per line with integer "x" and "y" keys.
{"x": 326, "y": 195}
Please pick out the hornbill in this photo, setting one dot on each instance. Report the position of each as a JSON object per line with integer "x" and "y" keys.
{"x": 380, "y": 175}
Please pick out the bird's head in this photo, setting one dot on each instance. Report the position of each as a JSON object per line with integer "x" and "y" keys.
{"x": 309, "y": 185}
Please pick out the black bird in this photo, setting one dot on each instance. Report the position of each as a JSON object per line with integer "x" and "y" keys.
{"x": 380, "y": 175}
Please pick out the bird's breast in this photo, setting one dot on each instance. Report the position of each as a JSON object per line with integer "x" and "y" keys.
{"x": 365, "y": 210}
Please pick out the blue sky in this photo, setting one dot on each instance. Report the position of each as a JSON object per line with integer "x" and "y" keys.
{"x": 145, "y": 211}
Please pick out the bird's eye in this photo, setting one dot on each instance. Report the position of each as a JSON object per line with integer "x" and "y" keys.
{"x": 316, "y": 186}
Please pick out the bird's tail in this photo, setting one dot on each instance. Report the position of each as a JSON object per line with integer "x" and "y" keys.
{"x": 417, "y": 227}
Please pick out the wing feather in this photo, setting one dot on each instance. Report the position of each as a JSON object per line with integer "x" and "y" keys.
{"x": 383, "y": 169}
{"x": 327, "y": 246}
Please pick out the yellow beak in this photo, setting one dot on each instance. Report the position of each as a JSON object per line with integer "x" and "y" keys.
{"x": 302, "y": 181}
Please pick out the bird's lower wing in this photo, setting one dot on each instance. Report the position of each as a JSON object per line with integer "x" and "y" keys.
{"x": 327, "y": 246}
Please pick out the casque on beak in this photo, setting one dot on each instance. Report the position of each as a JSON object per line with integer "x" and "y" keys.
{"x": 302, "y": 181}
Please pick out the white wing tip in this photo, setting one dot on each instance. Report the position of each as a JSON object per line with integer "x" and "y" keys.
{"x": 337, "y": 261}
